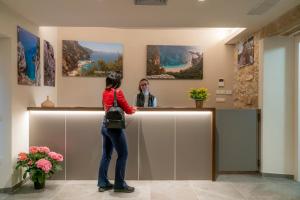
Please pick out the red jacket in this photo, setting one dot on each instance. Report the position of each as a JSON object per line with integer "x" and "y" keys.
{"x": 108, "y": 100}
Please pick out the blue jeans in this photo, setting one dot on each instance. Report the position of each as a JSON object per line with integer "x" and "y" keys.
{"x": 113, "y": 138}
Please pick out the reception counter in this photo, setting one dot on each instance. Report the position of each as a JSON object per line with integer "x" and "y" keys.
{"x": 164, "y": 143}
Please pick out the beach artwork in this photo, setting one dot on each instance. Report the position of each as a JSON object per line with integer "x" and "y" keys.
{"x": 28, "y": 58}
{"x": 174, "y": 62}
{"x": 91, "y": 59}
{"x": 49, "y": 65}
{"x": 246, "y": 53}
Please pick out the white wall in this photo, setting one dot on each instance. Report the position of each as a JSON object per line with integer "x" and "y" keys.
{"x": 5, "y": 111}
{"x": 297, "y": 105}
{"x": 277, "y": 106}
{"x": 218, "y": 63}
{"x": 21, "y": 96}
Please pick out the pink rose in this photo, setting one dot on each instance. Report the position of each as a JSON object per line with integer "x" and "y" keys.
{"x": 43, "y": 150}
{"x": 33, "y": 149}
{"x": 44, "y": 164}
{"x": 56, "y": 156}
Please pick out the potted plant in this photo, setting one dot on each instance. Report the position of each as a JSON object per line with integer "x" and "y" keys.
{"x": 40, "y": 163}
{"x": 199, "y": 95}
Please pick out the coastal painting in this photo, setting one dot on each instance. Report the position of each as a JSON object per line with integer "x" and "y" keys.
{"x": 174, "y": 62}
{"x": 91, "y": 59}
{"x": 49, "y": 65}
{"x": 28, "y": 58}
{"x": 246, "y": 53}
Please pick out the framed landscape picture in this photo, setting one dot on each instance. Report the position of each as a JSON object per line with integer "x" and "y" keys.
{"x": 246, "y": 52}
{"x": 49, "y": 65}
{"x": 28, "y": 58}
{"x": 174, "y": 62}
{"x": 91, "y": 59}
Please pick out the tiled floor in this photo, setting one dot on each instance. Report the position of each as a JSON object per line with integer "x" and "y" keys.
{"x": 227, "y": 187}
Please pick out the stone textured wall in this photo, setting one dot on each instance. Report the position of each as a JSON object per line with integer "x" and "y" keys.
{"x": 245, "y": 87}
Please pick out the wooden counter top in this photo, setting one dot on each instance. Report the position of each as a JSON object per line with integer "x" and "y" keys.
{"x": 101, "y": 109}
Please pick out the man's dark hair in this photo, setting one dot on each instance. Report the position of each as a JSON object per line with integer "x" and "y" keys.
{"x": 113, "y": 79}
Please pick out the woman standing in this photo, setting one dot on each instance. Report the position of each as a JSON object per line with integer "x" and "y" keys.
{"x": 114, "y": 138}
{"x": 144, "y": 98}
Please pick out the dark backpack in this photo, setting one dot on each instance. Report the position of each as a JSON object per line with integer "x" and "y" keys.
{"x": 114, "y": 117}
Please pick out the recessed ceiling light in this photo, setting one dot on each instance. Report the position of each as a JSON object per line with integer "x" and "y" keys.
{"x": 201, "y": 0}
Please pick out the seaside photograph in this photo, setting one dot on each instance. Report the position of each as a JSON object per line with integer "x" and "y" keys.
{"x": 28, "y": 58}
{"x": 91, "y": 59}
{"x": 174, "y": 62}
{"x": 246, "y": 52}
{"x": 49, "y": 65}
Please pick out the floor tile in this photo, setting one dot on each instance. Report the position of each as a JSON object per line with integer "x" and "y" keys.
{"x": 227, "y": 187}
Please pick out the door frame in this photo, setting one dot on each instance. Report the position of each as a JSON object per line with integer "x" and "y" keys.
{"x": 297, "y": 106}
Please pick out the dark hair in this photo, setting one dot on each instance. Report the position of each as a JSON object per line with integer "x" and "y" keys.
{"x": 113, "y": 79}
{"x": 143, "y": 79}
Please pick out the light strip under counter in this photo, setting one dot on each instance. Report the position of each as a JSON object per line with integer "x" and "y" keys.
{"x": 140, "y": 111}
{"x": 55, "y": 112}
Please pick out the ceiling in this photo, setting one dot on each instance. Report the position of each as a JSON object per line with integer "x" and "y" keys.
{"x": 123, "y": 13}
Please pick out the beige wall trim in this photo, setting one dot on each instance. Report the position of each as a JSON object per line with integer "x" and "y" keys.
{"x": 271, "y": 175}
{"x": 286, "y": 24}
{"x": 240, "y": 172}
{"x": 14, "y": 188}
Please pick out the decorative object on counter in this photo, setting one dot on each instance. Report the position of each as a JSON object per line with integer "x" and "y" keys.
{"x": 199, "y": 95}
{"x": 28, "y": 58}
{"x": 40, "y": 163}
{"x": 49, "y": 65}
{"x": 174, "y": 62}
{"x": 91, "y": 59}
{"x": 48, "y": 103}
{"x": 246, "y": 52}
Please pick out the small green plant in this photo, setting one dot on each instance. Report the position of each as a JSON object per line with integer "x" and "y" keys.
{"x": 198, "y": 94}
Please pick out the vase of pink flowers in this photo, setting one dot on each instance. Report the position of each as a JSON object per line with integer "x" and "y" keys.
{"x": 40, "y": 163}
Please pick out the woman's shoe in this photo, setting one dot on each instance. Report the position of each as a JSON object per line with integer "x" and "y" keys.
{"x": 126, "y": 189}
{"x": 105, "y": 188}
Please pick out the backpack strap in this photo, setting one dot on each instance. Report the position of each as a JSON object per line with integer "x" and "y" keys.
{"x": 115, "y": 98}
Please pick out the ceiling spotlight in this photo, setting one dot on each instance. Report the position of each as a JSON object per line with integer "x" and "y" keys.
{"x": 201, "y": 0}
